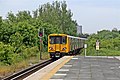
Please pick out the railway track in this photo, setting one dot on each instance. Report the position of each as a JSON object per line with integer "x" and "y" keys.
{"x": 26, "y": 72}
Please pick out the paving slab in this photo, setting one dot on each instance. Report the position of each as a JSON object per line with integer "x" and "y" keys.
{"x": 91, "y": 68}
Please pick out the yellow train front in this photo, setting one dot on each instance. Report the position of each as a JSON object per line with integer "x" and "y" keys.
{"x": 62, "y": 44}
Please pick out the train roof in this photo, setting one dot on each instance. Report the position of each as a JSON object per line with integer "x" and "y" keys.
{"x": 68, "y": 36}
{"x": 77, "y": 37}
{"x": 57, "y": 34}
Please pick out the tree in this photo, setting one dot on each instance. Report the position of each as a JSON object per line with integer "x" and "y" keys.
{"x": 0, "y": 20}
{"x": 11, "y": 17}
{"x": 114, "y": 30}
{"x": 23, "y": 16}
{"x": 57, "y": 15}
{"x": 19, "y": 32}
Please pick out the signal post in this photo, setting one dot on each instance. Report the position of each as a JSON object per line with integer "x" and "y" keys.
{"x": 40, "y": 35}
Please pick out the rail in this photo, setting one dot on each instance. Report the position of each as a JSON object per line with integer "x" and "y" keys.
{"x": 26, "y": 72}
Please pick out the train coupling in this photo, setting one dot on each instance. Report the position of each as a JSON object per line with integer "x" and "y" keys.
{"x": 57, "y": 54}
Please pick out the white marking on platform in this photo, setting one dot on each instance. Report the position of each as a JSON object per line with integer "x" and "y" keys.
{"x": 119, "y": 66}
{"x": 60, "y": 74}
{"x": 74, "y": 58}
{"x": 97, "y": 56}
{"x": 63, "y": 70}
{"x": 110, "y": 57}
{"x": 67, "y": 65}
{"x": 112, "y": 68}
{"x": 95, "y": 65}
{"x": 55, "y": 79}
{"x": 112, "y": 78}
{"x": 104, "y": 57}
{"x": 118, "y": 57}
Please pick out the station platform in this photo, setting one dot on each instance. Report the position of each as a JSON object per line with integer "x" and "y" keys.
{"x": 89, "y": 68}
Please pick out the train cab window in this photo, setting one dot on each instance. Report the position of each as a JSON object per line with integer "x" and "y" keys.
{"x": 58, "y": 40}
{"x": 64, "y": 40}
{"x": 52, "y": 40}
{"x": 55, "y": 39}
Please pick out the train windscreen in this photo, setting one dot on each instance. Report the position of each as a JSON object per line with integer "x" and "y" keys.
{"x": 58, "y": 39}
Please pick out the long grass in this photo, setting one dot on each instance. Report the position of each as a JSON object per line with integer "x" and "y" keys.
{"x": 7, "y": 70}
{"x": 101, "y": 52}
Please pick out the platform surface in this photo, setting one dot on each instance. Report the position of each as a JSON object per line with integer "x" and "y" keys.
{"x": 89, "y": 68}
{"x": 46, "y": 72}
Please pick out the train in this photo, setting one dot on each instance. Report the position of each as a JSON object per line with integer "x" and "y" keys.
{"x": 63, "y": 44}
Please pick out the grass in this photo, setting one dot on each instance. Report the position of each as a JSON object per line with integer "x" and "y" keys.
{"x": 45, "y": 55}
{"x": 7, "y": 70}
{"x": 101, "y": 52}
{"x": 109, "y": 52}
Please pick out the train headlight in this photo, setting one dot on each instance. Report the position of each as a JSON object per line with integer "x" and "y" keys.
{"x": 64, "y": 48}
{"x": 50, "y": 48}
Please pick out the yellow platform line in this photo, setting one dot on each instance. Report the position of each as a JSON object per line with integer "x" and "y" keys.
{"x": 52, "y": 72}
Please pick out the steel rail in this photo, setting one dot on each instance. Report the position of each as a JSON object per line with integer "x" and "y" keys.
{"x": 26, "y": 72}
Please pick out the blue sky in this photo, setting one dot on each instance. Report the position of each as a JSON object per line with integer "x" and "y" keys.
{"x": 93, "y": 15}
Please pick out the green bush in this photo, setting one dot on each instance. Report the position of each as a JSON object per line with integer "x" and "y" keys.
{"x": 6, "y": 54}
{"x": 19, "y": 32}
{"x": 29, "y": 52}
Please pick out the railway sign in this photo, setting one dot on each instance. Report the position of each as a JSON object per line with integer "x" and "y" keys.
{"x": 85, "y": 46}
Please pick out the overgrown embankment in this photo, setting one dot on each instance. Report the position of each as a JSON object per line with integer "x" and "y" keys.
{"x": 109, "y": 43}
{"x": 19, "y": 42}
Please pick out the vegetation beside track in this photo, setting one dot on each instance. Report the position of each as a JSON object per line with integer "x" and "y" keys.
{"x": 19, "y": 42}
{"x": 24, "y": 63}
{"x": 19, "y": 32}
{"x": 109, "y": 43}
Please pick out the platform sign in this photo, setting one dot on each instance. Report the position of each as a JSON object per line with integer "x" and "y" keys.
{"x": 97, "y": 44}
{"x": 85, "y": 45}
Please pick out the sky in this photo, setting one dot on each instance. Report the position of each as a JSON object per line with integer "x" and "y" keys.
{"x": 93, "y": 15}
